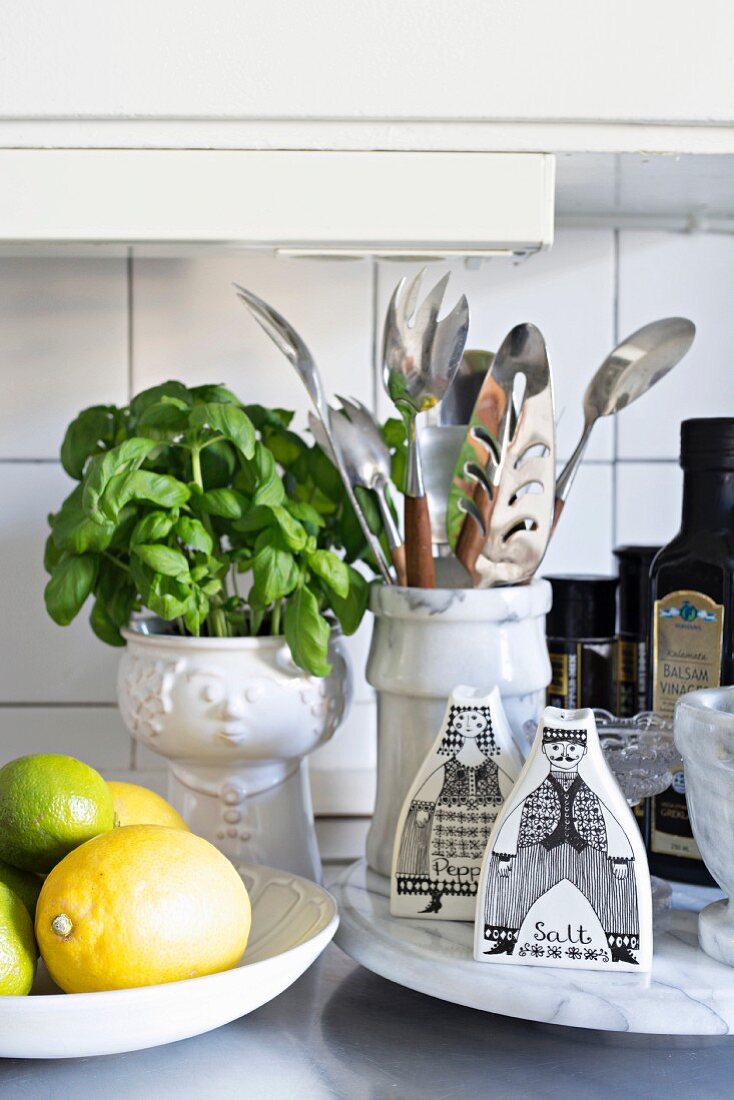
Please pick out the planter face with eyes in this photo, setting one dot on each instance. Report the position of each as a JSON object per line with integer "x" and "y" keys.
{"x": 235, "y": 718}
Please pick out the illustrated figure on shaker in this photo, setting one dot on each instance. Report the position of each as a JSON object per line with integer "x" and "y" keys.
{"x": 451, "y": 808}
{"x": 566, "y": 824}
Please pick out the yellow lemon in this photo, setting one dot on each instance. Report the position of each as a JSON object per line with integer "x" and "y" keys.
{"x": 23, "y": 883}
{"x": 17, "y": 945}
{"x": 136, "y": 805}
{"x": 48, "y": 805}
{"x": 141, "y": 905}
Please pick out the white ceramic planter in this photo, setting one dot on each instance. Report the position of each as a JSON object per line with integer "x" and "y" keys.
{"x": 236, "y": 719}
{"x": 704, "y": 736}
{"x": 425, "y": 642}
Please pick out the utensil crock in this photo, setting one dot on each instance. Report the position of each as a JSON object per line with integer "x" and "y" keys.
{"x": 424, "y": 643}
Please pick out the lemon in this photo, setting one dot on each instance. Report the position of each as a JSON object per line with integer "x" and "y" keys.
{"x": 48, "y": 805}
{"x": 26, "y": 885}
{"x": 140, "y": 905}
{"x": 136, "y": 805}
{"x": 17, "y": 946}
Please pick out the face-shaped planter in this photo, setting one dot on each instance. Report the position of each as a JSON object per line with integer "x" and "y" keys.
{"x": 235, "y": 718}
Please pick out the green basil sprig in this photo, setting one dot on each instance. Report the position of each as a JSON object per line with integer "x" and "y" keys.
{"x": 213, "y": 515}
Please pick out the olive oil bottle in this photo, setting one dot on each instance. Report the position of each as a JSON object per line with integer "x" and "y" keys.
{"x": 692, "y": 620}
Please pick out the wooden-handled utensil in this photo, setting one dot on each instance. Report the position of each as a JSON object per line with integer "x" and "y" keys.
{"x": 420, "y": 357}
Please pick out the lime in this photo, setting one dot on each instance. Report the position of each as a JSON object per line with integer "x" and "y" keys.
{"x": 17, "y": 946}
{"x": 23, "y": 883}
{"x": 49, "y": 804}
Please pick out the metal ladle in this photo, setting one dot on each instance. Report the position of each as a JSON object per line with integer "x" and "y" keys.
{"x": 627, "y": 373}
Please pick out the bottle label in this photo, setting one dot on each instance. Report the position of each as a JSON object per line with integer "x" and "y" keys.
{"x": 627, "y": 691}
{"x": 688, "y": 630}
{"x": 563, "y": 688}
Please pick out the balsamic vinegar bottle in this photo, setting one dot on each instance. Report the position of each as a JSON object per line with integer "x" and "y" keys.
{"x": 692, "y": 621}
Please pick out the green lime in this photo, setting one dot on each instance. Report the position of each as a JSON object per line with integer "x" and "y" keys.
{"x": 23, "y": 883}
{"x": 49, "y": 805}
{"x": 17, "y": 946}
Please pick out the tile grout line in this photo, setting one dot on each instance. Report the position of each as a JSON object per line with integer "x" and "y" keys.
{"x": 373, "y": 329}
{"x": 615, "y": 425}
{"x": 129, "y": 307}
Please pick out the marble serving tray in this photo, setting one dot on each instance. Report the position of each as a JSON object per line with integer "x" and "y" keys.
{"x": 687, "y": 992}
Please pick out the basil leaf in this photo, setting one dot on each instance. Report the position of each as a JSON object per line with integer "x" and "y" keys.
{"x": 325, "y": 474}
{"x": 103, "y": 626}
{"x": 227, "y": 503}
{"x": 92, "y": 431}
{"x": 115, "y": 590}
{"x": 274, "y": 570}
{"x": 168, "y": 597}
{"x": 262, "y": 417}
{"x": 305, "y": 512}
{"x": 256, "y": 519}
{"x": 51, "y": 554}
{"x": 269, "y": 487}
{"x": 168, "y": 414}
{"x": 217, "y": 465}
{"x": 155, "y": 394}
{"x": 73, "y": 530}
{"x": 350, "y": 609}
{"x": 332, "y": 570}
{"x": 393, "y": 432}
{"x": 307, "y": 633}
{"x": 143, "y": 485}
{"x": 196, "y": 612}
{"x": 287, "y": 447}
{"x": 194, "y": 534}
{"x": 71, "y": 582}
{"x": 293, "y": 533}
{"x": 229, "y": 421}
{"x": 209, "y": 393}
{"x": 153, "y": 527}
{"x": 163, "y": 559}
{"x": 127, "y": 456}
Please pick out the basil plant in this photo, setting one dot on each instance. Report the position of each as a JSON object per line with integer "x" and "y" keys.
{"x": 213, "y": 515}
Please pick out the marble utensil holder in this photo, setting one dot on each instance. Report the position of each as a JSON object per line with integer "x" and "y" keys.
{"x": 235, "y": 718}
{"x": 424, "y": 642}
{"x": 704, "y": 736}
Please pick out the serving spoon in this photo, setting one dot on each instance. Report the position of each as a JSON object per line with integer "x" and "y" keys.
{"x": 628, "y": 372}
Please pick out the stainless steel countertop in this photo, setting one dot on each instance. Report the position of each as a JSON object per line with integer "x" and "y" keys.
{"x": 340, "y": 1031}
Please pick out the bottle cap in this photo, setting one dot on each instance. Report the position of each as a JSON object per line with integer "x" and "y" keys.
{"x": 707, "y": 443}
{"x": 634, "y": 587}
{"x": 583, "y": 607}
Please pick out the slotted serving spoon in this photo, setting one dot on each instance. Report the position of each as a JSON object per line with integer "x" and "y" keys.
{"x": 287, "y": 340}
{"x": 420, "y": 357}
{"x": 627, "y": 373}
{"x": 500, "y": 510}
{"x": 367, "y": 459}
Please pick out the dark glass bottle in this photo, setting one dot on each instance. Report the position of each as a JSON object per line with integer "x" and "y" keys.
{"x": 581, "y": 632}
{"x": 633, "y": 601}
{"x": 692, "y": 621}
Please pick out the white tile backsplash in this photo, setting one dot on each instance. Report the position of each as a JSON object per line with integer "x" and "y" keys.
{"x": 188, "y": 324}
{"x": 567, "y": 292}
{"x": 583, "y": 539}
{"x": 678, "y": 274}
{"x": 42, "y": 662}
{"x": 64, "y": 345}
{"x": 649, "y": 496}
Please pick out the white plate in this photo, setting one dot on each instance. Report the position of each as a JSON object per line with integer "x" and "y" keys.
{"x": 687, "y": 992}
{"x": 292, "y": 922}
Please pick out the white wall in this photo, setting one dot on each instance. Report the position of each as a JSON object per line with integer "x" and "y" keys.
{"x": 81, "y": 332}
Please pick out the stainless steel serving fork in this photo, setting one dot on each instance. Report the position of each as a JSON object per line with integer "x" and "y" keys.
{"x": 287, "y": 340}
